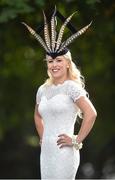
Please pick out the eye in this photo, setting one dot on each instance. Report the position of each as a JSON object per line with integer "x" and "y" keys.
{"x": 59, "y": 60}
{"x": 50, "y": 61}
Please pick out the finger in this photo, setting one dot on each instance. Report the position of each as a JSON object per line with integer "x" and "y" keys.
{"x": 61, "y": 138}
{"x": 60, "y": 142}
{"x": 63, "y": 145}
{"x": 61, "y": 135}
{"x": 69, "y": 143}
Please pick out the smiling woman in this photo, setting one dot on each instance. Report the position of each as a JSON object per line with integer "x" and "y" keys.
{"x": 58, "y": 103}
{"x": 58, "y": 69}
{"x": 65, "y": 66}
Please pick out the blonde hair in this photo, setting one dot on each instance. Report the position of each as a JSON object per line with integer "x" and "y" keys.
{"x": 73, "y": 72}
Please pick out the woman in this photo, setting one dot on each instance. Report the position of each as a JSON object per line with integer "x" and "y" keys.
{"x": 58, "y": 103}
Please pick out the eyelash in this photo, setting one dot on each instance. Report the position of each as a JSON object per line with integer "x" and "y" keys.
{"x": 59, "y": 60}
{"x": 50, "y": 61}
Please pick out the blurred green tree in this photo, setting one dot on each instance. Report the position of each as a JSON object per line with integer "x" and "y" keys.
{"x": 22, "y": 68}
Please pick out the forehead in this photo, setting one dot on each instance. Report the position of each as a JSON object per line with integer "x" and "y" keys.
{"x": 58, "y": 57}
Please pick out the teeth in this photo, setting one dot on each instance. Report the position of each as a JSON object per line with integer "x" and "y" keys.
{"x": 55, "y": 70}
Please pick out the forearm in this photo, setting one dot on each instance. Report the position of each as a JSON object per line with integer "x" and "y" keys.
{"x": 89, "y": 116}
{"x": 38, "y": 122}
{"x": 86, "y": 127}
{"x": 39, "y": 127}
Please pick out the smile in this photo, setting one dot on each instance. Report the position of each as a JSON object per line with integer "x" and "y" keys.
{"x": 55, "y": 70}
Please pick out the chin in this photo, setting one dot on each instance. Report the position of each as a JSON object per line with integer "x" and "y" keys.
{"x": 56, "y": 76}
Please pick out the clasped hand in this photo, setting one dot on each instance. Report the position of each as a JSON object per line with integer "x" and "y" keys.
{"x": 64, "y": 140}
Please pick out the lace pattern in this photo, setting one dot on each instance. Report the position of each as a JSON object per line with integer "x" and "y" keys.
{"x": 59, "y": 113}
{"x": 75, "y": 91}
{"x": 69, "y": 87}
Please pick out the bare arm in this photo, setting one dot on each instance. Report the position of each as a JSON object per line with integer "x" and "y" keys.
{"x": 38, "y": 122}
{"x": 89, "y": 116}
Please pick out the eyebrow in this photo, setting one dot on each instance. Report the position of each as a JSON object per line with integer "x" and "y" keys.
{"x": 57, "y": 58}
{"x": 49, "y": 59}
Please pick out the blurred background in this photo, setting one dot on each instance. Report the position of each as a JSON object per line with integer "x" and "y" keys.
{"x": 22, "y": 71}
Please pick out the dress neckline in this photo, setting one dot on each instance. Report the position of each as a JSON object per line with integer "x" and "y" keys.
{"x": 60, "y": 84}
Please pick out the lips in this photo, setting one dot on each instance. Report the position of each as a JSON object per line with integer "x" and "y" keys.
{"x": 55, "y": 70}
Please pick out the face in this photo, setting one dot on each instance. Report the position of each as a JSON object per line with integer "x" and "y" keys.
{"x": 58, "y": 67}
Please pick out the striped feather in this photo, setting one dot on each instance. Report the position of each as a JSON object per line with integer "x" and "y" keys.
{"x": 62, "y": 31}
{"x": 36, "y": 36}
{"x": 46, "y": 33}
{"x": 74, "y": 36}
{"x": 53, "y": 30}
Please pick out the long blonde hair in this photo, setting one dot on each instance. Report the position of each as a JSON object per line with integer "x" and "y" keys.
{"x": 73, "y": 72}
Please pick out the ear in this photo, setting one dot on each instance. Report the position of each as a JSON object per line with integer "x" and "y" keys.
{"x": 68, "y": 63}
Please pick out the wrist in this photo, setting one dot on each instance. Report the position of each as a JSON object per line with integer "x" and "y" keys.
{"x": 75, "y": 143}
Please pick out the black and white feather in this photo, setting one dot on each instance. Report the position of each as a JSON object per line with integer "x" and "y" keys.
{"x": 53, "y": 46}
{"x": 53, "y": 31}
{"x": 62, "y": 31}
{"x": 46, "y": 33}
{"x": 74, "y": 36}
{"x": 37, "y": 36}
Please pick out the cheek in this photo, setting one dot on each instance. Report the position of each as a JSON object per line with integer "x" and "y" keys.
{"x": 49, "y": 66}
{"x": 64, "y": 66}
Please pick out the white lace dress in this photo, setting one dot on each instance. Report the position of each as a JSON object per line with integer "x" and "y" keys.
{"x": 58, "y": 111}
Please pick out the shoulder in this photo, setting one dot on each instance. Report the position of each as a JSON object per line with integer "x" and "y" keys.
{"x": 75, "y": 90}
{"x": 40, "y": 89}
{"x": 39, "y": 93}
{"x": 73, "y": 84}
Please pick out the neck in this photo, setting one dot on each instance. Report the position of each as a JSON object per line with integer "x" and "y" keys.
{"x": 59, "y": 80}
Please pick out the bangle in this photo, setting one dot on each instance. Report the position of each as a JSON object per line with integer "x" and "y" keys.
{"x": 75, "y": 143}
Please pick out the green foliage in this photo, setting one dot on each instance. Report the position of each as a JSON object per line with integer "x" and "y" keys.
{"x": 40, "y": 2}
{"x": 92, "y": 2}
{"x": 22, "y": 68}
{"x": 11, "y": 9}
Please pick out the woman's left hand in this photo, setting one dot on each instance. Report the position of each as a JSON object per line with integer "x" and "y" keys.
{"x": 64, "y": 140}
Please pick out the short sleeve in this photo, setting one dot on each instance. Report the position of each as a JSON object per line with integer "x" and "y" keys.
{"x": 75, "y": 91}
{"x": 39, "y": 94}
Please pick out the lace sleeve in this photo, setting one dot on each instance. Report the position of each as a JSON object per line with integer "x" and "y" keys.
{"x": 75, "y": 91}
{"x": 38, "y": 95}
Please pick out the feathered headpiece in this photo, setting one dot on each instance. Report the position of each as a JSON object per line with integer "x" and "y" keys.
{"x": 53, "y": 45}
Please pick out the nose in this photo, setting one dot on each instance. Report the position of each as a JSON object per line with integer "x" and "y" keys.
{"x": 54, "y": 63}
